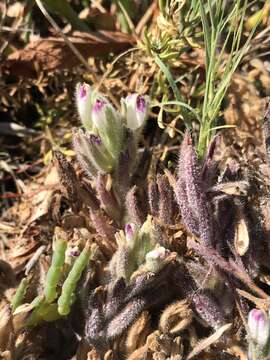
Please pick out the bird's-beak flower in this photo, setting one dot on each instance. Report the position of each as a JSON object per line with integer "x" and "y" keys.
{"x": 98, "y": 114}
{"x": 259, "y": 327}
{"x": 131, "y": 232}
{"x": 135, "y": 109}
{"x": 108, "y": 124}
{"x": 83, "y": 99}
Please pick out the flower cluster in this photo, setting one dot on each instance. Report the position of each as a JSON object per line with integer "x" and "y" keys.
{"x": 106, "y": 130}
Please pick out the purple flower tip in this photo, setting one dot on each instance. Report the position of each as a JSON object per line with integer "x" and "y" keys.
{"x": 74, "y": 252}
{"x": 257, "y": 315}
{"x": 82, "y": 91}
{"x": 98, "y": 105}
{"x": 140, "y": 103}
{"x": 129, "y": 229}
{"x": 95, "y": 139}
{"x": 259, "y": 326}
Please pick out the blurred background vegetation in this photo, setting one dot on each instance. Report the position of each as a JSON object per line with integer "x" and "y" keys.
{"x": 205, "y": 64}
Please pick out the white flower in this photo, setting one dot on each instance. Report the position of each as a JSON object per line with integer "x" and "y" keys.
{"x": 135, "y": 109}
{"x": 155, "y": 259}
{"x": 83, "y": 99}
{"x": 259, "y": 326}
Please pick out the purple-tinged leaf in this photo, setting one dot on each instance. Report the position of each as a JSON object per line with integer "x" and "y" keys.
{"x": 208, "y": 309}
{"x": 165, "y": 199}
{"x": 187, "y": 216}
{"x": 113, "y": 304}
{"x": 125, "y": 318}
{"x": 210, "y": 169}
{"x": 133, "y": 207}
{"x": 107, "y": 198}
{"x": 102, "y": 226}
{"x": 190, "y": 195}
{"x": 153, "y": 197}
{"x": 94, "y": 327}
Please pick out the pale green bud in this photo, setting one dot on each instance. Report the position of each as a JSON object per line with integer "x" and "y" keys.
{"x": 92, "y": 154}
{"x": 156, "y": 259}
{"x": 146, "y": 240}
{"x": 109, "y": 125}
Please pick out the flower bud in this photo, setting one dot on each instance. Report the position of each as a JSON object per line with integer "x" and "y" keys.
{"x": 135, "y": 109}
{"x": 131, "y": 231}
{"x": 92, "y": 153}
{"x": 72, "y": 253}
{"x": 259, "y": 327}
{"x": 155, "y": 259}
{"x": 108, "y": 125}
{"x": 99, "y": 114}
{"x": 102, "y": 159}
{"x": 146, "y": 240}
{"x": 83, "y": 99}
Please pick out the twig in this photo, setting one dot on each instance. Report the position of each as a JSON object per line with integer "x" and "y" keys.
{"x": 260, "y": 303}
{"x": 75, "y": 51}
{"x": 129, "y": 21}
{"x": 31, "y": 263}
{"x": 12, "y": 29}
{"x": 146, "y": 17}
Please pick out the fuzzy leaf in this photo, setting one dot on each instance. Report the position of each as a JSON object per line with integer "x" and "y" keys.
{"x": 209, "y": 310}
{"x": 190, "y": 194}
{"x": 165, "y": 199}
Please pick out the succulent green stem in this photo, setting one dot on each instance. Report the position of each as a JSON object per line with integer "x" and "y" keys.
{"x": 19, "y": 295}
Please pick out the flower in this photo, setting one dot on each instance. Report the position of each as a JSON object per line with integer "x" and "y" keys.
{"x": 91, "y": 153}
{"x": 99, "y": 114}
{"x": 83, "y": 100}
{"x": 259, "y": 327}
{"x": 108, "y": 124}
{"x": 99, "y": 146}
{"x": 156, "y": 259}
{"x": 107, "y": 137}
{"x": 131, "y": 232}
{"x": 135, "y": 109}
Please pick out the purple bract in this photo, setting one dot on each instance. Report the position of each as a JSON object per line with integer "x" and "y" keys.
{"x": 82, "y": 91}
{"x": 98, "y": 105}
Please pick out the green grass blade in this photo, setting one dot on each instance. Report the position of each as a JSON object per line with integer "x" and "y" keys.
{"x": 166, "y": 71}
